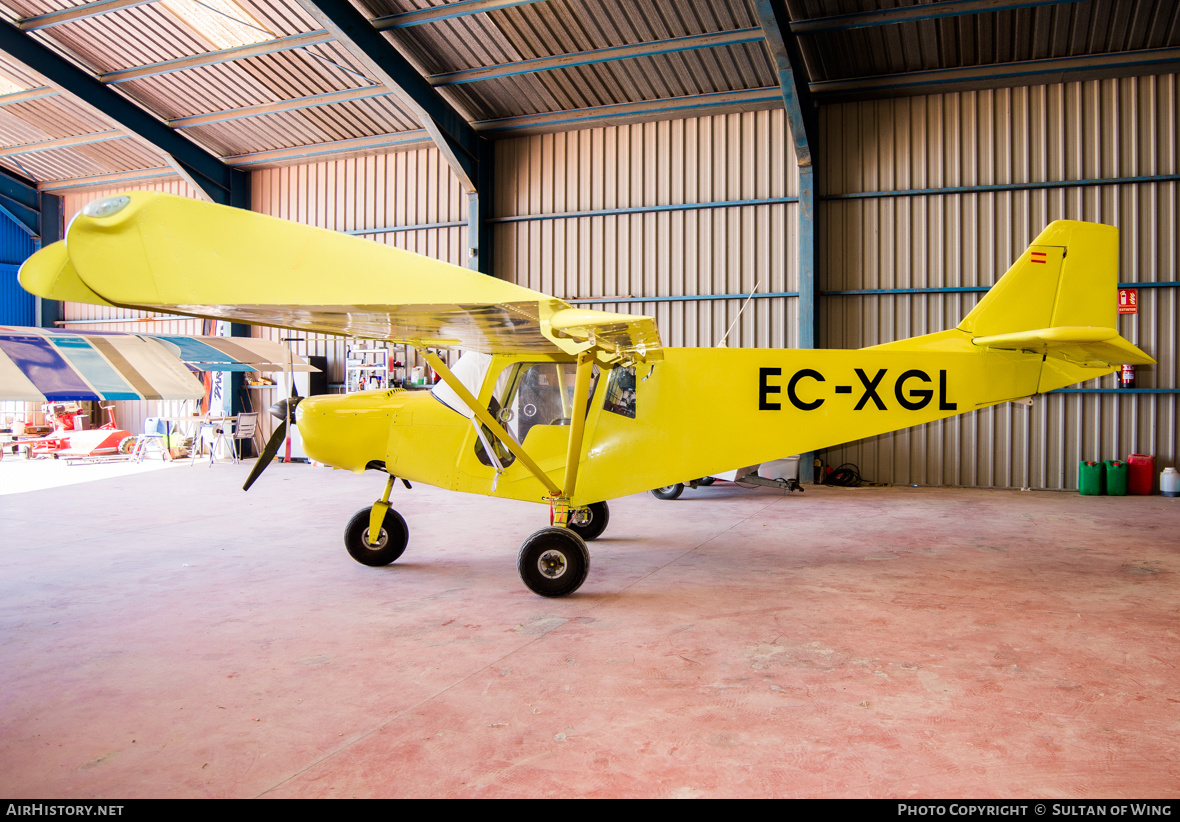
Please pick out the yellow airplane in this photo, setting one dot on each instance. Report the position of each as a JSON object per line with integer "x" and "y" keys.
{"x": 560, "y": 405}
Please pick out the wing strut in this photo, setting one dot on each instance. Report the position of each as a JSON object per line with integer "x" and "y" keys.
{"x": 487, "y": 419}
{"x": 577, "y": 421}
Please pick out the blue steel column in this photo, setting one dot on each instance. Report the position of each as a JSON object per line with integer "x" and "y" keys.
{"x": 39, "y": 215}
{"x": 52, "y": 229}
{"x": 803, "y": 119}
{"x": 238, "y": 196}
{"x": 480, "y": 212}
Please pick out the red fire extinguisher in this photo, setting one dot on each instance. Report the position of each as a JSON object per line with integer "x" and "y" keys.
{"x": 1127, "y": 378}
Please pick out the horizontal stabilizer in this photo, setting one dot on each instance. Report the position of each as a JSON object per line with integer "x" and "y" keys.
{"x": 1081, "y": 345}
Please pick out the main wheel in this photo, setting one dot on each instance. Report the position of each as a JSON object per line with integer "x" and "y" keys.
{"x": 553, "y": 562}
{"x": 668, "y": 491}
{"x": 390, "y": 543}
{"x": 590, "y": 522}
{"x": 706, "y": 481}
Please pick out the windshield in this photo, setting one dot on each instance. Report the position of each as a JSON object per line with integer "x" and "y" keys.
{"x": 470, "y": 370}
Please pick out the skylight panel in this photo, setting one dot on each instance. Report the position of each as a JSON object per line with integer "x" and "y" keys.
{"x": 223, "y": 23}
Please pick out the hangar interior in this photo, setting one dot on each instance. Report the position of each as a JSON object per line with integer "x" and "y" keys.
{"x": 859, "y": 170}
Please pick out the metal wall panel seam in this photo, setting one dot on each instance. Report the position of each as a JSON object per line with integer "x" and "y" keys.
{"x": 1119, "y": 391}
{"x": 612, "y": 212}
{"x": 680, "y": 298}
{"x": 963, "y": 289}
{"x": 1002, "y": 187}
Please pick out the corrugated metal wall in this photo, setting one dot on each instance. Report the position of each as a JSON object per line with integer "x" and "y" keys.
{"x": 1020, "y": 143}
{"x": 660, "y": 218}
{"x": 17, "y": 306}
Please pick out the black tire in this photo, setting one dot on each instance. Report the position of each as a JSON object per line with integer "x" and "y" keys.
{"x": 706, "y": 481}
{"x": 390, "y": 545}
{"x": 594, "y": 519}
{"x": 668, "y": 491}
{"x": 553, "y": 562}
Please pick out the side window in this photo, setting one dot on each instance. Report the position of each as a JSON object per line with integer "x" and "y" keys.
{"x": 620, "y": 392}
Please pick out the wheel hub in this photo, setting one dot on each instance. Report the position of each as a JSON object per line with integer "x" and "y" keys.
{"x": 382, "y": 538}
{"x": 552, "y": 564}
{"x": 582, "y": 517}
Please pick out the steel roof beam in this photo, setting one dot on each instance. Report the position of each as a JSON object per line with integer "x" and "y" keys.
{"x": 912, "y": 14}
{"x": 757, "y": 98}
{"x": 803, "y": 123}
{"x": 262, "y": 109}
{"x": 582, "y": 58}
{"x": 92, "y": 9}
{"x": 217, "y": 180}
{"x": 26, "y": 95}
{"x": 792, "y": 77}
{"x": 399, "y": 140}
{"x": 454, "y": 136}
{"x": 463, "y": 8}
{"x": 1028, "y": 72}
{"x": 63, "y": 142}
{"x": 119, "y": 178}
{"x": 213, "y": 58}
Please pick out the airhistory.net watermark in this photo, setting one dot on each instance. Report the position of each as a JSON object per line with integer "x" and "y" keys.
{"x": 42, "y": 809}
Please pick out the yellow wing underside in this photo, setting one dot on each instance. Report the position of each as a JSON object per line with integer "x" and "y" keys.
{"x": 163, "y": 253}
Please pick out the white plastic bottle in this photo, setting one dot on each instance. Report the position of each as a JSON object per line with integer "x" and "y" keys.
{"x": 1170, "y": 482}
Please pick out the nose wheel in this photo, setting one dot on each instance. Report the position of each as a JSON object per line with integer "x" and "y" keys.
{"x": 389, "y": 545}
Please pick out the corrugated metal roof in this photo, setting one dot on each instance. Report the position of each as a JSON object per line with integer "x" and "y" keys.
{"x": 314, "y": 92}
{"x": 1067, "y": 29}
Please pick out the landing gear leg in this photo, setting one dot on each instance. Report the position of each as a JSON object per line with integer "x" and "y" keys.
{"x": 378, "y": 535}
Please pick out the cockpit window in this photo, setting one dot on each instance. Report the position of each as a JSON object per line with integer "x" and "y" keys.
{"x": 620, "y": 392}
{"x": 530, "y": 394}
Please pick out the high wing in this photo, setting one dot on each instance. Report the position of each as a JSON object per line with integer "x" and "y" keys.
{"x": 164, "y": 253}
{"x": 42, "y": 365}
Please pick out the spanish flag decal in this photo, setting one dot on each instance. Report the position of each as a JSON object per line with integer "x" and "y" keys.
{"x": 1038, "y": 256}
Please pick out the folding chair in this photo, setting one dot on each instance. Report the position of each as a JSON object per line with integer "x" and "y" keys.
{"x": 245, "y": 428}
{"x": 154, "y": 430}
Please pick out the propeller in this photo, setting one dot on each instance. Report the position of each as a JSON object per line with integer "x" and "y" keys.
{"x": 284, "y": 411}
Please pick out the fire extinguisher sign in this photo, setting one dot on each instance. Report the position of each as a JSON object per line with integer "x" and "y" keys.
{"x": 1128, "y": 300}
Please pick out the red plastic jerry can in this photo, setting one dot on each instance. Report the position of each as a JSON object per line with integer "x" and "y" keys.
{"x": 1140, "y": 474}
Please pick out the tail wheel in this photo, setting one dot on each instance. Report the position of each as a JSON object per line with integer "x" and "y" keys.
{"x": 390, "y": 544}
{"x": 668, "y": 491}
{"x": 591, "y": 521}
{"x": 553, "y": 562}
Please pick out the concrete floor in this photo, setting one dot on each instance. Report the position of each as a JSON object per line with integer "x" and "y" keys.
{"x": 166, "y": 635}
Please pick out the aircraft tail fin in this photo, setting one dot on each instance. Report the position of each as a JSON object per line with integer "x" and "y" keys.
{"x": 1057, "y": 300}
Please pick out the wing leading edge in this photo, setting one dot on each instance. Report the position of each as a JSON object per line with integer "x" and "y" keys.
{"x": 164, "y": 253}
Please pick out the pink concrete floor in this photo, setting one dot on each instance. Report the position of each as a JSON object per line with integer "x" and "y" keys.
{"x": 166, "y": 635}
